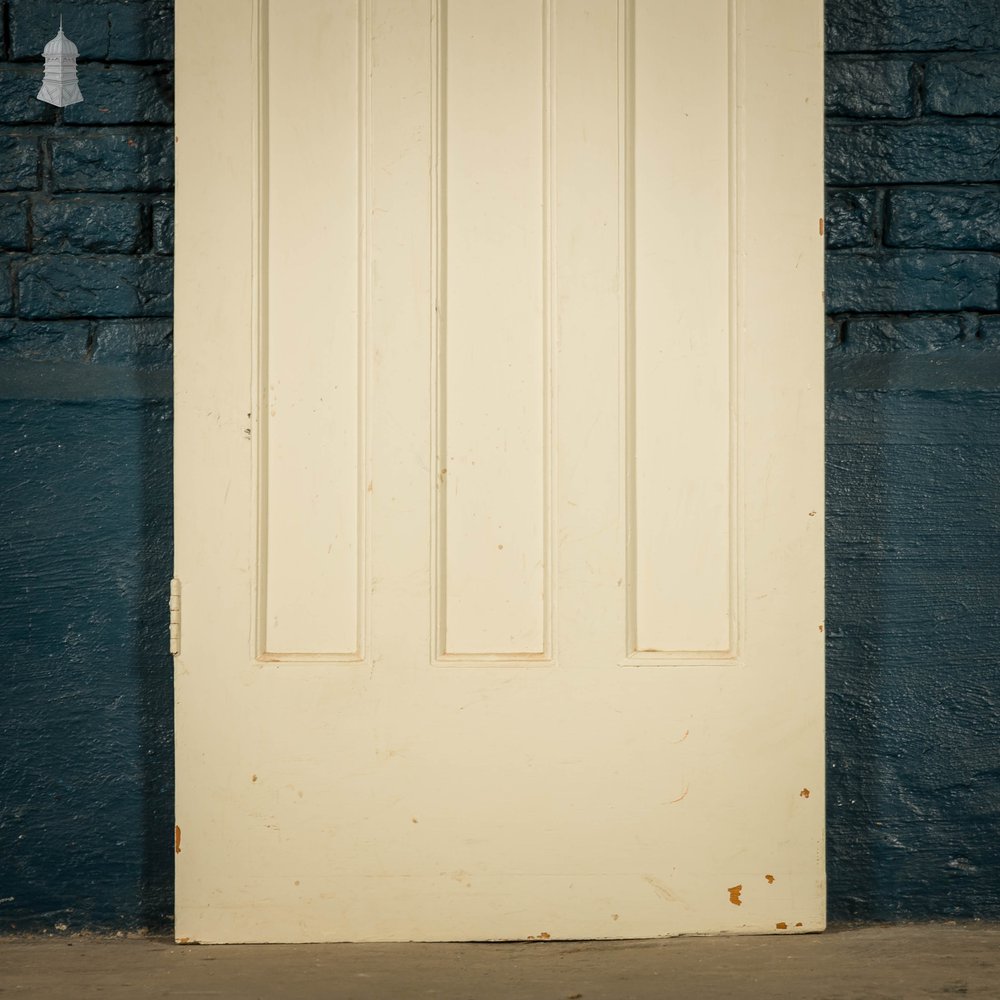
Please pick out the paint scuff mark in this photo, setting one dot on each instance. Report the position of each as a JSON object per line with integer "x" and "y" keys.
{"x": 770, "y": 879}
{"x": 614, "y": 916}
{"x": 684, "y": 736}
{"x": 184, "y": 940}
{"x": 821, "y": 226}
{"x": 177, "y": 840}
{"x": 544, "y": 936}
{"x": 799, "y": 924}
{"x": 660, "y": 889}
{"x": 681, "y": 796}
{"x": 734, "y": 894}
{"x": 781, "y": 925}
{"x": 805, "y": 793}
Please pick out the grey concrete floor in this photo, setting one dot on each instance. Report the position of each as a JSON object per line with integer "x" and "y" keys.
{"x": 875, "y": 963}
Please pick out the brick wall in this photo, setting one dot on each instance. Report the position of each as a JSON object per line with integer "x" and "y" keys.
{"x": 85, "y": 520}
{"x": 85, "y": 208}
{"x": 913, "y": 457}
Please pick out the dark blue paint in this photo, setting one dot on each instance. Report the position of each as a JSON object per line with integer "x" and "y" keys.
{"x": 13, "y": 224}
{"x": 6, "y": 288}
{"x": 86, "y": 231}
{"x": 116, "y": 31}
{"x": 20, "y": 163}
{"x": 163, "y": 227}
{"x": 85, "y": 721}
{"x": 913, "y": 460}
{"x": 927, "y": 150}
{"x": 871, "y": 87}
{"x": 968, "y": 85}
{"x": 852, "y": 218}
{"x": 963, "y": 218}
{"x": 911, "y": 25}
{"x": 913, "y": 612}
{"x": 120, "y": 160}
{"x": 123, "y": 95}
{"x": 87, "y": 225}
{"x": 86, "y": 773}
{"x": 919, "y": 334}
{"x": 909, "y": 281}
{"x": 95, "y": 286}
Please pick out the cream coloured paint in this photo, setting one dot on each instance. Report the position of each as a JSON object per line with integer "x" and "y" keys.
{"x": 499, "y": 469}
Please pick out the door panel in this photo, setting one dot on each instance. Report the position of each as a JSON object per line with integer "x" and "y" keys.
{"x": 311, "y": 416}
{"x": 499, "y": 474}
{"x": 494, "y": 256}
{"x": 681, "y": 333}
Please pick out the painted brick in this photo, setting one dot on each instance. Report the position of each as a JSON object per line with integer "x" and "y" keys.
{"x": 913, "y": 542}
{"x": 850, "y": 218}
{"x": 163, "y": 227}
{"x": 910, "y": 281}
{"x": 64, "y": 340}
{"x": 18, "y": 103}
{"x": 135, "y": 343}
{"x": 142, "y": 32}
{"x": 870, "y": 88}
{"x": 120, "y": 95}
{"x": 99, "y": 225}
{"x": 966, "y": 218}
{"x": 137, "y": 162}
{"x": 68, "y": 286}
{"x": 13, "y": 225}
{"x": 833, "y": 334}
{"x": 989, "y": 331}
{"x": 6, "y": 290}
{"x": 19, "y": 157}
{"x": 893, "y": 154}
{"x": 902, "y": 333}
{"x": 33, "y": 23}
{"x": 914, "y": 25}
{"x": 115, "y": 30}
{"x": 86, "y": 710}
{"x": 969, "y": 86}
{"x": 86, "y": 487}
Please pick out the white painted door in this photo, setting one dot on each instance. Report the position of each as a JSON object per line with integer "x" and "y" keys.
{"x": 499, "y": 469}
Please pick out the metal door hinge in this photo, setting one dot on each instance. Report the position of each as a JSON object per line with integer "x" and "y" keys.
{"x": 175, "y": 616}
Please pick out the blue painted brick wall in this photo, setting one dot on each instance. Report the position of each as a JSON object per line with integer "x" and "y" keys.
{"x": 85, "y": 456}
{"x": 913, "y": 231}
{"x": 913, "y": 458}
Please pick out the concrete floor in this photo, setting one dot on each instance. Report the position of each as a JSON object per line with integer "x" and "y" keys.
{"x": 876, "y": 963}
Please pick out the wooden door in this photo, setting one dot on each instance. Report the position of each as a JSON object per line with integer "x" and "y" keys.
{"x": 499, "y": 470}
